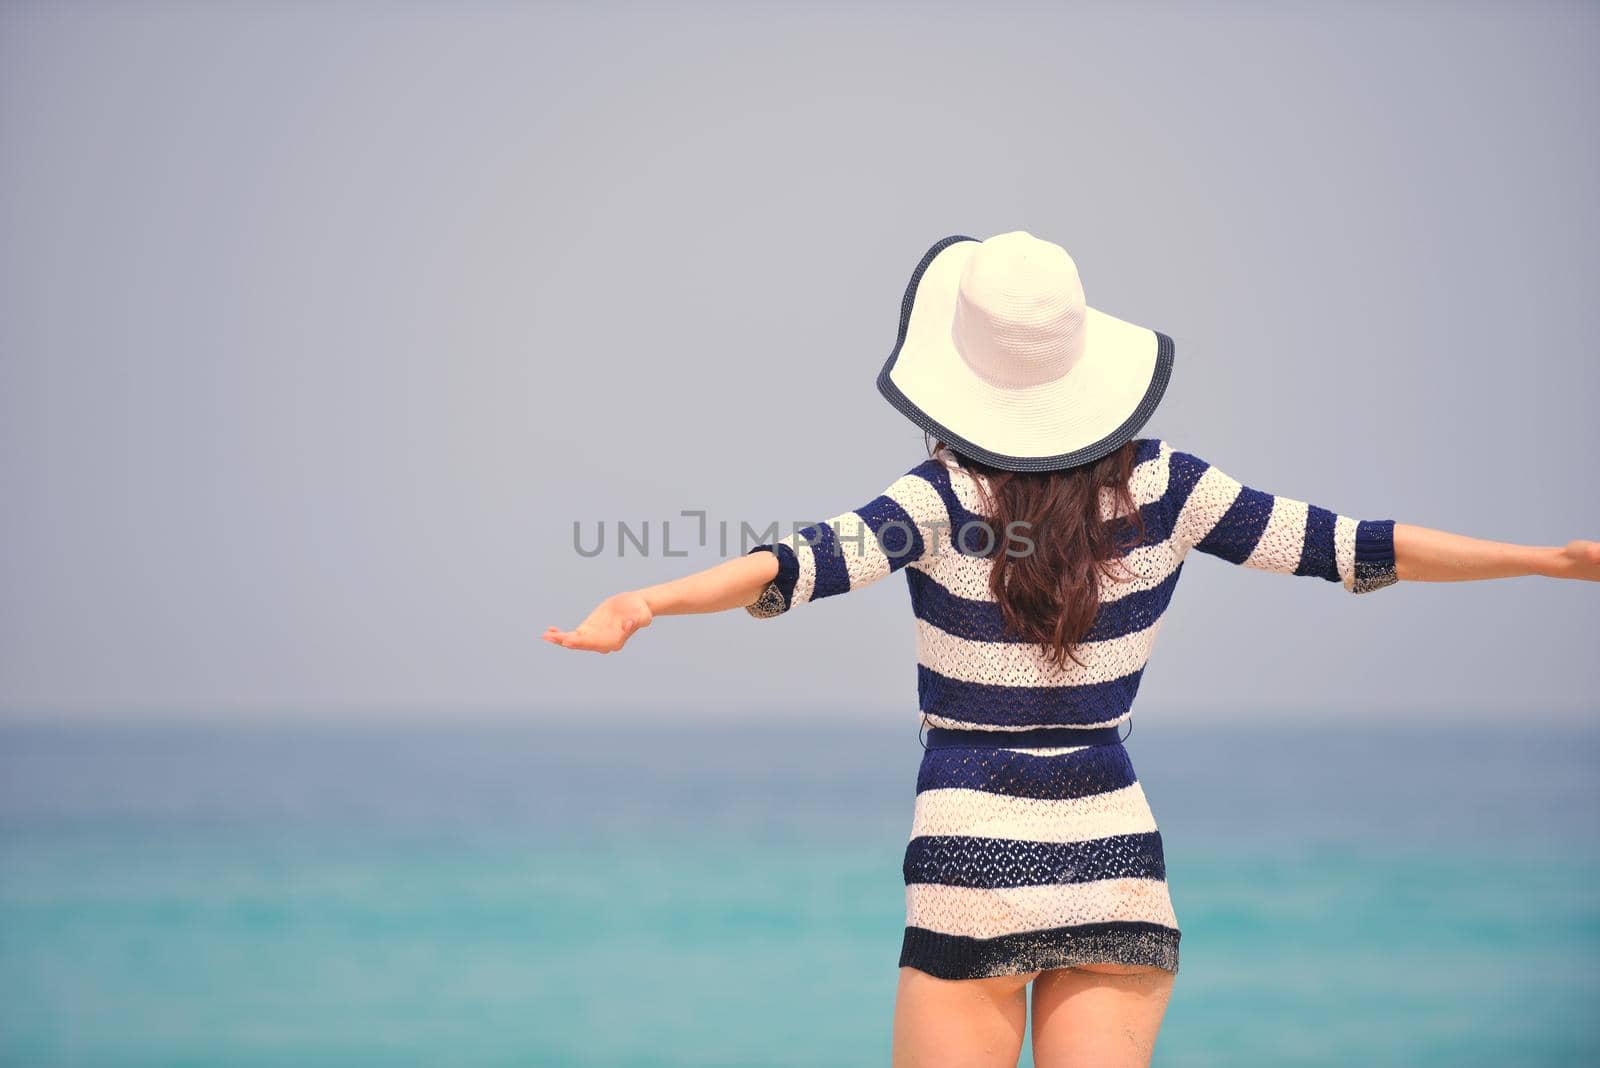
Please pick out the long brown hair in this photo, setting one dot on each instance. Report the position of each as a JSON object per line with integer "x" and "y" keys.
{"x": 1049, "y": 594}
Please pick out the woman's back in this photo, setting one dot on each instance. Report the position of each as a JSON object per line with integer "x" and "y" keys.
{"x": 973, "y": 672}
{"x": 1030, "y": 853}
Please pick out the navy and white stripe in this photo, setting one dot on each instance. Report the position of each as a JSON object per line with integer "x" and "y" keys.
{"x": 1023, "y": 859}
{"x": 971, "y": 671}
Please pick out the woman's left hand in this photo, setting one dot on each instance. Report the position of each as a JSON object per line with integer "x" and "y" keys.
{"x": 608, "y": 627}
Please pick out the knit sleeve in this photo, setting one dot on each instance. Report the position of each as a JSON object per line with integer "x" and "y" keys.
{"x": 1211, "y": 511}
{"x": 901, "y": 526}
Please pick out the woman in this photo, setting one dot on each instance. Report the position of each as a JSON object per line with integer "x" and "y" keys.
{"x": 1042, "y": 541}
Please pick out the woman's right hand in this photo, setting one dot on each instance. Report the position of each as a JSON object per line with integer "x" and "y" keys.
{"x": 608, "y": 627}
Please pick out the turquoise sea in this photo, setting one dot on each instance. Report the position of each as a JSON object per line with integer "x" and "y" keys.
{"x": 731, "y": 895}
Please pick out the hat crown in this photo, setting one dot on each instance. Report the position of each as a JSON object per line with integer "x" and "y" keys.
{"x": 1019, "y": 311}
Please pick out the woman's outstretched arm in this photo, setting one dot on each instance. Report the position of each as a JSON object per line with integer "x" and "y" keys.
{"x": 735, "y": 583}
{"x": 1422, "y": 554}
{"x": 851, "y": 551}
{"x": 1217, "y": 514}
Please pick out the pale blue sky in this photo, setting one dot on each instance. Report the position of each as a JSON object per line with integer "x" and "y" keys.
{"x": 321, "y": 324}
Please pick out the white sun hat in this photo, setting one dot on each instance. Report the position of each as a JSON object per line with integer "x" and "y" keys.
{"x": 1000, "y": 357}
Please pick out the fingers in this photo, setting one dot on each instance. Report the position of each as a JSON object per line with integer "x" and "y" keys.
{"x": 579, "y": 639}
{"x": 567, "y": 639}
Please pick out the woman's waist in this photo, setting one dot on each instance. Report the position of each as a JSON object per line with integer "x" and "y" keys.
{"x": 1026, "y": 738}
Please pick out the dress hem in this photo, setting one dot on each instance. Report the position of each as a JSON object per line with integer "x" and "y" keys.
{"x": 948, "y": 956}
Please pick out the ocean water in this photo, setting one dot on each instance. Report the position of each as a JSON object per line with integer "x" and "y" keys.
{"x": 731, "y": 895}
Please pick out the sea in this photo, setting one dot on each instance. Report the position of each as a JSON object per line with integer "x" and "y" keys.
{"x": 623, "y": 892}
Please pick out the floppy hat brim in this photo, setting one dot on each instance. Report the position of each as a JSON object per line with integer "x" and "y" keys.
{"x": 1097, "y": 406}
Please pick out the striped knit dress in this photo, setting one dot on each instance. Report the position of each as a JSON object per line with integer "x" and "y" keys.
{"x": 1025, "y": 859}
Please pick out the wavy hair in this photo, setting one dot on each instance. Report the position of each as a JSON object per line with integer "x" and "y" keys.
{"x": 1049, "y": 594}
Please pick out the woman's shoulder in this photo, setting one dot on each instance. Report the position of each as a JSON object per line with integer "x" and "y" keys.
{"x": 939, "y": 470}
{"x": 1152, "y": 468}
{"x": 1151, "y": 448}
{"x": 961, "y": 490}
{"x": 933, "y": 478}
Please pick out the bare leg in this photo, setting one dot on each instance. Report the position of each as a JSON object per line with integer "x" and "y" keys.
{"x": 959, "y": 1023}
{"x": 1098, "y": 1015}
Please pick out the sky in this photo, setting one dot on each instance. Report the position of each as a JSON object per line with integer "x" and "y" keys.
{"x": 322, "y": 325}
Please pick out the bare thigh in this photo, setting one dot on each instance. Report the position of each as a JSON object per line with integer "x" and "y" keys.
{"x": 1098, "y": 1015}
{"x": 959, "y": 1023}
